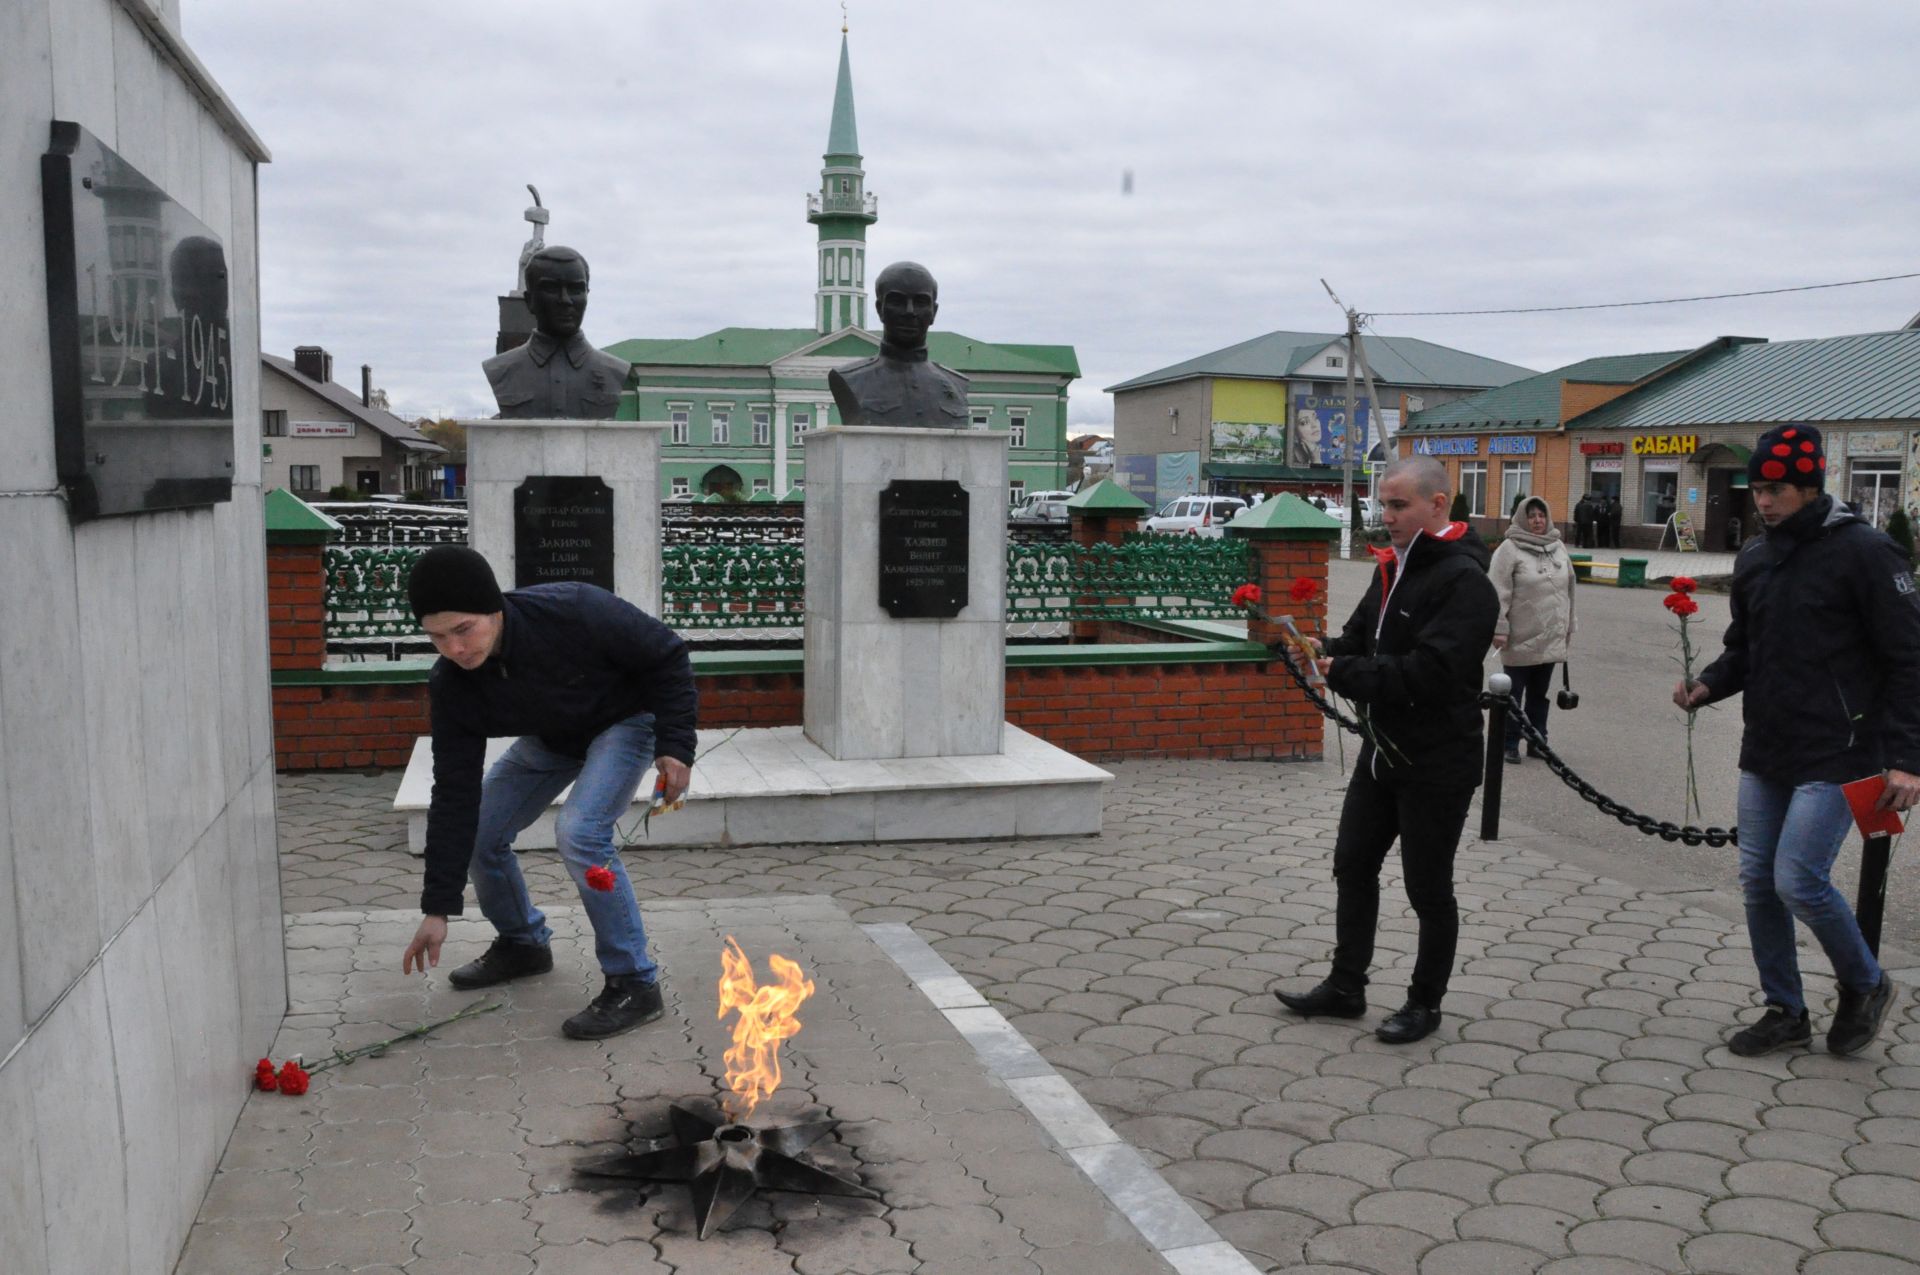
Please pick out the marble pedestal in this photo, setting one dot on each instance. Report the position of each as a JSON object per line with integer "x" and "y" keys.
{"x": 878, "y": 686}
{"x": 623, "y": 454}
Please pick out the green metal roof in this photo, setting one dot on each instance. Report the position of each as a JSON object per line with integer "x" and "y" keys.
{"x": 1396, "y": 360}
{"x": 1107, "y": 497}
{"x": 1284, "y": 515}
{"x": 1871, "y": 377}
{"x": 762, "y": 347}
{"x": 842, "y": 137}
{"x": 1534, "y": 403}
{"x": 291, "y": 520}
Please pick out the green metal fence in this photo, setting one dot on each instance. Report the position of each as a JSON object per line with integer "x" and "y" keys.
{"x": 763, "y": 586}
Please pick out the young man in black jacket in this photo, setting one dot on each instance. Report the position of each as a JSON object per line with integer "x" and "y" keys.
{"x": 595, "y": 689}
{"x": 1410, "y": 660}
{"x": 1824, "y": 643}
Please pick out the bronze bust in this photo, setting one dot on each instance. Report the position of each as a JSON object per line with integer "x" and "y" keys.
{"x": 900, "y": 385}
{"x": 556, "y": 374}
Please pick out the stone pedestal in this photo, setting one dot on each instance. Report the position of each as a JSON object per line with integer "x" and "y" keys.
{"x": 878, "y": 686}
{"x": 625, "y": 455}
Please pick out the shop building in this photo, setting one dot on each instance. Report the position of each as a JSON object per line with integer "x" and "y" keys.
{"x": 1271, "y": 414}
{"x": 1680, "y": 440}
{"x": 316, "y": 435}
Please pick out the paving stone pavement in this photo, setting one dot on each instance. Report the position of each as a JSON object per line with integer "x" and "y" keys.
{"x": 1576, "y": 1114}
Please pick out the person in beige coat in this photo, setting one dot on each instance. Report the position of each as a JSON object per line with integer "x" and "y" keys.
{"x": 1534, "y": 577}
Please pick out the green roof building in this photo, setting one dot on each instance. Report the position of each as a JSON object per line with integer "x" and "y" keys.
{"x": 741, "y": 401}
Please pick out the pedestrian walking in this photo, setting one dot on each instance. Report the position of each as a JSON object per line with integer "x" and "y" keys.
{"x": 1583, "y": 521}
{"x": 1616, "y": 513}
{"x": 1824, "y": 648}
{"x": 1410, "y": 659}
{"x": 1533, "y": 577}
{"x": 597, "y": 691}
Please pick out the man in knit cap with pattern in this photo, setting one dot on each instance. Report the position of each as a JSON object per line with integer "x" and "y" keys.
{"x": 1824, "y": 647}
{"x": 596, "y": 691}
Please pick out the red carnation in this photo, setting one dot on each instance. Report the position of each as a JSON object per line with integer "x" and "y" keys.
{"x": 1684, "y": 584}
{"x": 1247, "y": 595}
{"x": 263, "y": 1078}
{"x": 293, "y": 1079}
{"x": 600, "y": 877}
{"x": 1680, "y": 604}
{"x": 1305, "y": 589}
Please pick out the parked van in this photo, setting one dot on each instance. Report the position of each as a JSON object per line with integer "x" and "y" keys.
{"x": 1195, "y": 515}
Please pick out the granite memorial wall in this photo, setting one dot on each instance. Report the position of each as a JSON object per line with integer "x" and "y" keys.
{"x": 142, "y": 969}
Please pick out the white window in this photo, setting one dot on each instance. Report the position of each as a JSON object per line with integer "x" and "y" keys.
{"x": 826, "y": 267}
{"x": 682, "y": 428}
{"x": 1659, "y": 495}
{"x": 721, "y": 422}
{"x": 1473, "y": 482}
{"x": 982, "y": 417}
{"x": 846, "y": 267}
{"x": 763, "y": 429}
{"x": 801, "y": 423}
{"x": 762, "y": 484}
{"x": 1874, "y": 491}
{"x": 1016, "y": 491}
{"x": 273, "y": 424}
{"x": 1334, "y": 360}
{"x": 1516, "y": 483}
{"x": 682, "y": 487}
{"x": 1017, "y": 431}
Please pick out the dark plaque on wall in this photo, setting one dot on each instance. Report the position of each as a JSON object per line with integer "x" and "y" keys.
{"x": 140, "y": 335}
{"x": 923, "y": 549}
{"x": 562, "y": 530}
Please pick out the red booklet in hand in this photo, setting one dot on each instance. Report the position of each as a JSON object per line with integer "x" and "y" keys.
{"x": 1863, "y": 795}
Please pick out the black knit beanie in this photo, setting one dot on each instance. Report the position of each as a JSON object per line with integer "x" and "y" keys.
{"x": 452, "y": 578}
{"x": 1789, "y": 454}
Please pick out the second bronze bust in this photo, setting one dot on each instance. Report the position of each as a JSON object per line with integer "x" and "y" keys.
{"x": 900, "y": 386}
{"x": 557, "y": 374}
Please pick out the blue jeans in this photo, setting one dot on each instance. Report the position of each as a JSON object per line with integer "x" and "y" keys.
{"x": 1789, "y": 837}
{"x": 518, "y": 788}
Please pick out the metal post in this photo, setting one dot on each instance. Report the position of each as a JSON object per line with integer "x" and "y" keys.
{"x": 1500, "y": 689}
{"x": 1872, "y": 904}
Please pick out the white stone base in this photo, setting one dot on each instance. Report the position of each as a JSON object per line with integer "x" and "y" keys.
{"x": 774, "y": 786}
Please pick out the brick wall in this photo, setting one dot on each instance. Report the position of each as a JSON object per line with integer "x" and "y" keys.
{"x": 347, "y": 726}
{"x": 296, "y": 606}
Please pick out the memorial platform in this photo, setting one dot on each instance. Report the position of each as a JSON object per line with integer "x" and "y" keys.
{"x": 774, "y": 786}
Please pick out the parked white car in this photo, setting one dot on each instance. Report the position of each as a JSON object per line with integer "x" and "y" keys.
{"x": 1195, "y": 515}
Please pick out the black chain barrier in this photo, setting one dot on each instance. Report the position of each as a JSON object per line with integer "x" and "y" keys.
{"x": 1666, "y": 830}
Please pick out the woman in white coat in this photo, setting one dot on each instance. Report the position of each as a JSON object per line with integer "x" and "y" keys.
{"x": 1534, "y": 577}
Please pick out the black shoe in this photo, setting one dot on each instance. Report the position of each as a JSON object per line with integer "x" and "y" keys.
{"x": 622, "y": 1005}
{"x": 1411, "y": 1022}
{"x": 504, "y": 961}
{"x": 1513, "y": 755}
{"x": 1857, "y": 1020}
{"x": 1325, "y": 1001}
{"x": 1776, "y": 1030}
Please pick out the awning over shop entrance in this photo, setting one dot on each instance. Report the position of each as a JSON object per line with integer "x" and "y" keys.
{"x": 1249, "y": 472}
{"x": 1722, "y": 454}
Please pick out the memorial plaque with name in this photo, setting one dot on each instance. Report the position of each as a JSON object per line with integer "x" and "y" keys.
{"x": 923, "y": 549}
{"x": 562, "y": 530}
{"x": 142, "y": 347}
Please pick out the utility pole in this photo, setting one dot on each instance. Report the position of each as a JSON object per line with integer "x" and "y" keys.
{"x": 1346, "y": 448}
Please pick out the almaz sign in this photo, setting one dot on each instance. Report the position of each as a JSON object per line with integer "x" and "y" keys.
{"x": 140, "y": 339}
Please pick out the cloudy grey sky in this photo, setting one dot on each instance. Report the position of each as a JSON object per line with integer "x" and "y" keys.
{"x": 1419, "y": 156}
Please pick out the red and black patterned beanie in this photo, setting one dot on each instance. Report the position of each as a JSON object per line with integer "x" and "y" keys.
{"x": 1789, "y": 454}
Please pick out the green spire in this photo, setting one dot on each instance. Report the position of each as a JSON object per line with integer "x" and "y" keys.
{"x": 842, "y": 137}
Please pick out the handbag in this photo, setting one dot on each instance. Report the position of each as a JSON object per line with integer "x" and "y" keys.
{"x": 1568, "y": 698}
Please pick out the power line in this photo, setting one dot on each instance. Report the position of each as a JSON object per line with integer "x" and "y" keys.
{"x": 1621, "y": 305}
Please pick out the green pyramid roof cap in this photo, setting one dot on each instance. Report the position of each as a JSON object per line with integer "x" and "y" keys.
{"x": 1107, "y": 497}
{"x": 291, "y": 520}
{"x": 761, "y": 496}
{"x": 1285, "y": 515}
{"x": 795, "y": 495}
{"x": 842, "y": 137}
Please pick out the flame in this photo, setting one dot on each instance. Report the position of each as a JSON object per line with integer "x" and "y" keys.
{"x": 766, "y": 1019}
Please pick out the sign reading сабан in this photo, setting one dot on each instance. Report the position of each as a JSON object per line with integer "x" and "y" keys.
{"x": 1666, "y": 445}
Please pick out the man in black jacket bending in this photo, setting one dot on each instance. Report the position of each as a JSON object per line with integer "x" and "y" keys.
{"x": 1409, "y": 660}
{"x": 595, "y": 689}
{"x": 1824, "y": 643}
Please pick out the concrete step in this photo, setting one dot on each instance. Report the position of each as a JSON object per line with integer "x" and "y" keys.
{"x": 774, "y": 786}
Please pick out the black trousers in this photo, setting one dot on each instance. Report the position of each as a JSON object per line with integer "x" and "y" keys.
{"x": 1427, "y": 823}
{"x": 1533, "y": 693}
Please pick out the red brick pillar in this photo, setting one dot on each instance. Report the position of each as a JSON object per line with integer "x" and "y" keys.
{"x": 1290, "y": 540}
{"x": 296, "y": 606}
{"x": 1103, "y": 514}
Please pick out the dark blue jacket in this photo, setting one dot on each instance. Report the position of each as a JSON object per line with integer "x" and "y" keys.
{"x": 573, "y": 660}
{"x": 1824, "y": 644}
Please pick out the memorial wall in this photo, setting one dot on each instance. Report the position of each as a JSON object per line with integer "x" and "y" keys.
{"x": 141, "y": 970}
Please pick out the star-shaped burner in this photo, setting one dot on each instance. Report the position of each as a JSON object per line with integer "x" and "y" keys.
{"x": 726, "y": 1163}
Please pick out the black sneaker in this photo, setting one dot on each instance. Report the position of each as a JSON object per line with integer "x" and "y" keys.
{"x": 1411, "y": 1022}
{"x": 1325, "y": 1001}
{"x": 1776, "y": 1030}
{"x": 1513, "y": 755}
{"x": 622, "y": 1005}
{"x": 505, "y": 961}
{"x": 1858, "y": 1018}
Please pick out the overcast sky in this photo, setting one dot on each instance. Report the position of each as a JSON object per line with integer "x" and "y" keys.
{"x": 1419, "y": 156}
